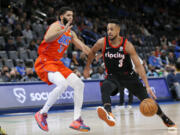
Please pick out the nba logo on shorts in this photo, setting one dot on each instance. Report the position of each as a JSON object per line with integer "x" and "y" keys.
{"x": 20, "y": 94}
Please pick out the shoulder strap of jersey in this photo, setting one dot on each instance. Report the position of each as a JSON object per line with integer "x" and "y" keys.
{"x": 124, "y": 45}
{"x": 107, "y": 41}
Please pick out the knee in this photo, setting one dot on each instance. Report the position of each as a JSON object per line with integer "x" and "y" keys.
{"x": 58, "y": 79}
{"x": 62, "y": 84}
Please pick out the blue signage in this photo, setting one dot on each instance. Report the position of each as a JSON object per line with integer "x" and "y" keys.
{"x": 19, "y": 95}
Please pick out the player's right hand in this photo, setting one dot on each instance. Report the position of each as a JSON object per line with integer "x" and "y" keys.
{"x": 149, "y": 90}
{"x": 86, "y": 72}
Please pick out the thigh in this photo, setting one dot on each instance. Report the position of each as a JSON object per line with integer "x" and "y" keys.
{"x": 110, "y": 87}
{"x": 57, "y": 78}
{"x": 136, "y": 87}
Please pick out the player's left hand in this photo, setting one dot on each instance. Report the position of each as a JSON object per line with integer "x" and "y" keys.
{"x": 149, "y": 90}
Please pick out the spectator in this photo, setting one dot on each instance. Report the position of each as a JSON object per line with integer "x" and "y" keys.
{"x": 19, "y": 43}
{"x": 163, "y": 40}
{"x": 10, "y": 17}
{"x": 157, "y": 52}
{"x": 17, "y": 31}
{"x": 66, "y": 60}
{"x": 164, "y": 49}
{"x": 27, "y": 33}
{"x": 151, "y": 72}
{"x": 178, "y": 71}
{"x": 171, "y": 58}
{"x": 5, "y": 74}
{"x": 173, "y": 82}
{"x": 32, "y": 46}
{"x": 74, "y": 60}
{"x": 14, "y": 76}
{"x": 99, "y": 75}
{"x": 177, "y": 51}
{"x": 164, "y": 58}
{"x": 82, "y": 59}
{"x": 20, "y": 68}
{"x": 5, "y": 32}
{"x": 29, "y": 77}
{"x": 78, "y": 73}
{"x": 154, "y": 61}
{"x": 10, "y": 46}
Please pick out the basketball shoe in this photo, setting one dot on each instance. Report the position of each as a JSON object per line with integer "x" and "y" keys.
{"x": 79, "y": 125}
{"x": 169, "y": 123}
{"x": 107, "y": 117}
{"x": 41, "y": 120}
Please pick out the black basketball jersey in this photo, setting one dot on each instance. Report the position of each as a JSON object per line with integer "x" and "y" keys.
{"x": 115, "y": 58}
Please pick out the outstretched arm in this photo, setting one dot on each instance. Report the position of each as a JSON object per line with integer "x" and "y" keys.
{"x": 139, "y": 67}
{"x": 79, "y": 44}
{"x": 97, "y": 46}
{"x": 55, "y": 31}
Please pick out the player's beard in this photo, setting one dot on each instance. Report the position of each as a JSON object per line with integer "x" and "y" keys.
{"x": 113, "y": 38}
{"x": 65, "y": 21}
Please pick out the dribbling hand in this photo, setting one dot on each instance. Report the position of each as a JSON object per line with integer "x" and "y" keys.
{"x": 149, "y": 90}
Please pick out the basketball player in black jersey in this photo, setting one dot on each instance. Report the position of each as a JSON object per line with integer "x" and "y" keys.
{"x": 117, "y": 54}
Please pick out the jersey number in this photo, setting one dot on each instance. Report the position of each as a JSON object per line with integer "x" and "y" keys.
{"x": 61, "y": 48}
{"x": 120, "y": 63}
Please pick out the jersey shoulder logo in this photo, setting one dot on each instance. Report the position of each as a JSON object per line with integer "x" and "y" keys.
{"x": 120, "y": 48}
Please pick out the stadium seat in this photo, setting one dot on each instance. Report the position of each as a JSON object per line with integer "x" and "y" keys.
{"x": 1, "y": 63}
{"x": 23, "y": 55}
{"x": 13, "y": 55}
{"x": 2, "y": 41}
{"x": 33, "y": 55}
{"x": 9, "y": 63}
{"x": 3, "y": 55}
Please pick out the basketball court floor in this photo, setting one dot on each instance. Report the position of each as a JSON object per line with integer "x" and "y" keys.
{"x": 129, "y": 122}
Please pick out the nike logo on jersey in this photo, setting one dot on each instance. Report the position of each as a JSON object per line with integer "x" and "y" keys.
{"x": 121, "y": 49}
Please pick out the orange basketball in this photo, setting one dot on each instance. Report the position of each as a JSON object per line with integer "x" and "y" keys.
{"x": 148, "y": 107}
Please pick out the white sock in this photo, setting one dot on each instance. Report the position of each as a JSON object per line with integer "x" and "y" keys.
{"x": 61, "y": 85}
{"x": 78, "y": 86}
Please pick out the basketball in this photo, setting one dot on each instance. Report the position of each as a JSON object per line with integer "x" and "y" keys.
{"x": 148, "y": 107}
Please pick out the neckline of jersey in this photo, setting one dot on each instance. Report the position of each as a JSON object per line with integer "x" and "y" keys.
{"x": 115, "y": 46}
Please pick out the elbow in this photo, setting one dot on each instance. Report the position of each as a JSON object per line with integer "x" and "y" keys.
{"x": 46, "y": 39}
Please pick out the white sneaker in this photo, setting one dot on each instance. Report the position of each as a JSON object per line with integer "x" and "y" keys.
{"x": 129, "y": 107}
{"x": 107, "y": 117}
{"x": 121, "y": 107}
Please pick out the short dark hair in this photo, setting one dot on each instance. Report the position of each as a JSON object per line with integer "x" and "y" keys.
{"x": 63, "y": 10}
{"x": 115, "y": 21}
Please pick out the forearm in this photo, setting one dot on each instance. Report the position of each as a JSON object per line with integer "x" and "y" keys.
{"x": 86, "y": 49}
{"x": 140, "y": 70}
{"x": 53, "y": 35}
{"x": 91, "y": 56}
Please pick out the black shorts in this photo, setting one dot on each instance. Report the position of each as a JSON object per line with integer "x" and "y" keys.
{"x": 130, "y": 81}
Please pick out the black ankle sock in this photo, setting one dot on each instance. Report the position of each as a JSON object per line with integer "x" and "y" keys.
{"x": 107, "y": 108}
{"x": 160, "y": 112}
